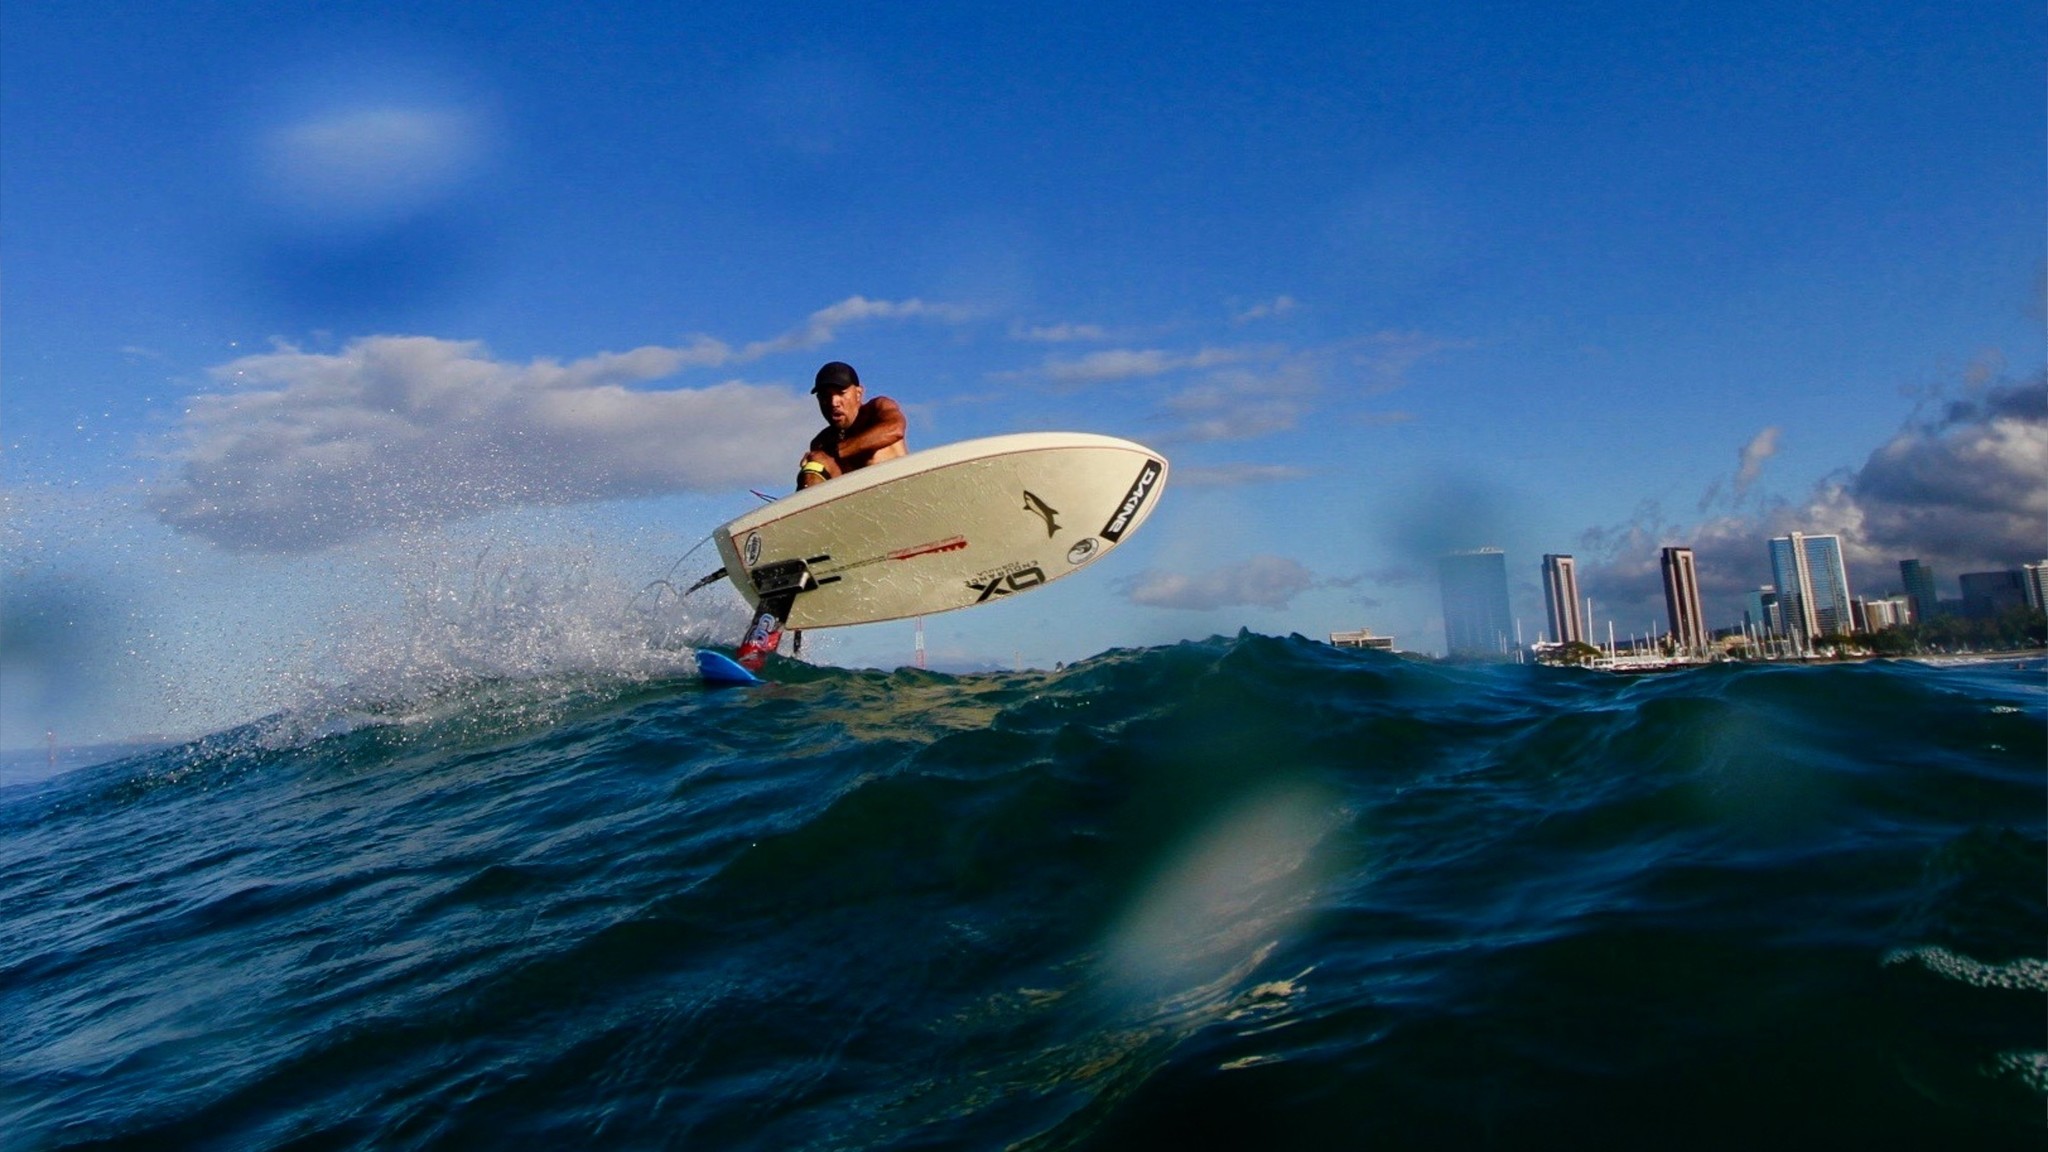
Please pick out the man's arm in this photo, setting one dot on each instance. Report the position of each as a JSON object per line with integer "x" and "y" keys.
{"x": 882, "y": 424}
{"x": 819, "y": 464}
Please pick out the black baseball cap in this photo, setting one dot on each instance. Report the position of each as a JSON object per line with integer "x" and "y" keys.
{"x": 834, "y": 376}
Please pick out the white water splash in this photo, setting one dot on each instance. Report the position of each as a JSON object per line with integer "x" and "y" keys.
{"x": 2023, "y": 975}
{"x": 523, "y": 625}
{"x": 2029, "y": 1068}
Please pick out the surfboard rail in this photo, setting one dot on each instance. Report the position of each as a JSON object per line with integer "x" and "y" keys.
{"x": 718, "y": 669}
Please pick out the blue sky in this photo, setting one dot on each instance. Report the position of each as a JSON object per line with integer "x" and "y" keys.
{"x": 307, "y": 309}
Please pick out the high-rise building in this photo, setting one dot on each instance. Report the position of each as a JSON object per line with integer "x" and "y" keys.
{"x": 1789, "y": 571}
{"x": 1988, "y": 594}
{"x": 1919, "y": 581}
{"x": 1477, "y": 621}
{"x": 1561, "y": 596}
{"x": 1813, "y": 586}
{"x": 1761, "y": 612}
{"x": 1890, "y": 612}
{"x": 2037, "y": 585}
{"x": 1897, "y": 611}
{"x": 1682, "y": 600}
{"x": 1830, "y": 585}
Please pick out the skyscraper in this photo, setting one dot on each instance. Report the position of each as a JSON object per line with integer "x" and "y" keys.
{"x": 2037, "y": 585}
{"x": 1761, "y": 612}
{"x": 1813, "y": 586}
{"x": 1561, "y": 596}
{"x": 1788, "y": 572}
{"x": 1988, "y": 594}
{"x": 1919, "y": 581}
{"x": 1682, "y": 600}
{"x": 1830, "y": 585}
{"x": 1477, "y": 621}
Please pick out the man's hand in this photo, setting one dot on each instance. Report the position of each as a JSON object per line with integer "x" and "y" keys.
{"x": 815, "y": 468}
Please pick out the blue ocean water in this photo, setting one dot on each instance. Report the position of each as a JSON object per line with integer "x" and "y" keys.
{"x": 1250, "y": 892}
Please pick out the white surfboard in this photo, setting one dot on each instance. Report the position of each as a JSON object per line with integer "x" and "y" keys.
{"x": 951, "y": 527}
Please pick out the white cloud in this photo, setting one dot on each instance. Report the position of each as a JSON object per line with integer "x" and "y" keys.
{"x": 1262, "y": 581}
{"x": 1243, "y": 402}
{"x": 1138, "y": 363}
{"x": 1620, "y": 567}
{"x": 1969, "y": 488}
{"x": 825, "y": 323}
{"x": 1058, "y": 333}
{"x": 1761, "y": 448}
{"x": 1112, "y": 364}
{"x": 1270, "y": 309}
{"x": 1243, "y": 391}
{"x": 1207, "y": 420}
{"x": 1965, "y": 491}
{"x": 371, "y": 165}
{"x": 304, "y": 450}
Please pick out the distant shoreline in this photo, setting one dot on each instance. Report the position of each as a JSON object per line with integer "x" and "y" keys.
{"x": 1651, "y": 666}
{"x": 2005, "y": 657}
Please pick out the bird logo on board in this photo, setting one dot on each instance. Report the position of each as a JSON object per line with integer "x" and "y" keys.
{"x": 1033, "y": 504}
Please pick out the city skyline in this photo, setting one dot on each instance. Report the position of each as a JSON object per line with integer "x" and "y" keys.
{"x": 1472, "y": 614}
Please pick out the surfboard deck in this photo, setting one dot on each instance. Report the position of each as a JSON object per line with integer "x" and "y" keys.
{"x": 951, "y": 527}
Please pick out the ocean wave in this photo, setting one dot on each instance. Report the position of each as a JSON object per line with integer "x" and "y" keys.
{"x": 1246, "y": 890}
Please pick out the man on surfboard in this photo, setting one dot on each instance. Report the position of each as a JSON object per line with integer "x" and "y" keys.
{"x": 857, "y": 432}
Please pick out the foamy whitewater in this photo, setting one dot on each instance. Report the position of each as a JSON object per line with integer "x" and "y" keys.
{"x": 1248, "y": 892}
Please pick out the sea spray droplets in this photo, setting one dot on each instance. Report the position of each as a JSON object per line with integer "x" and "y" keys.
{"x": 467, "y": 616}
{"x": 2022, "y": 975}
{"x": 2029, "y": 1068}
